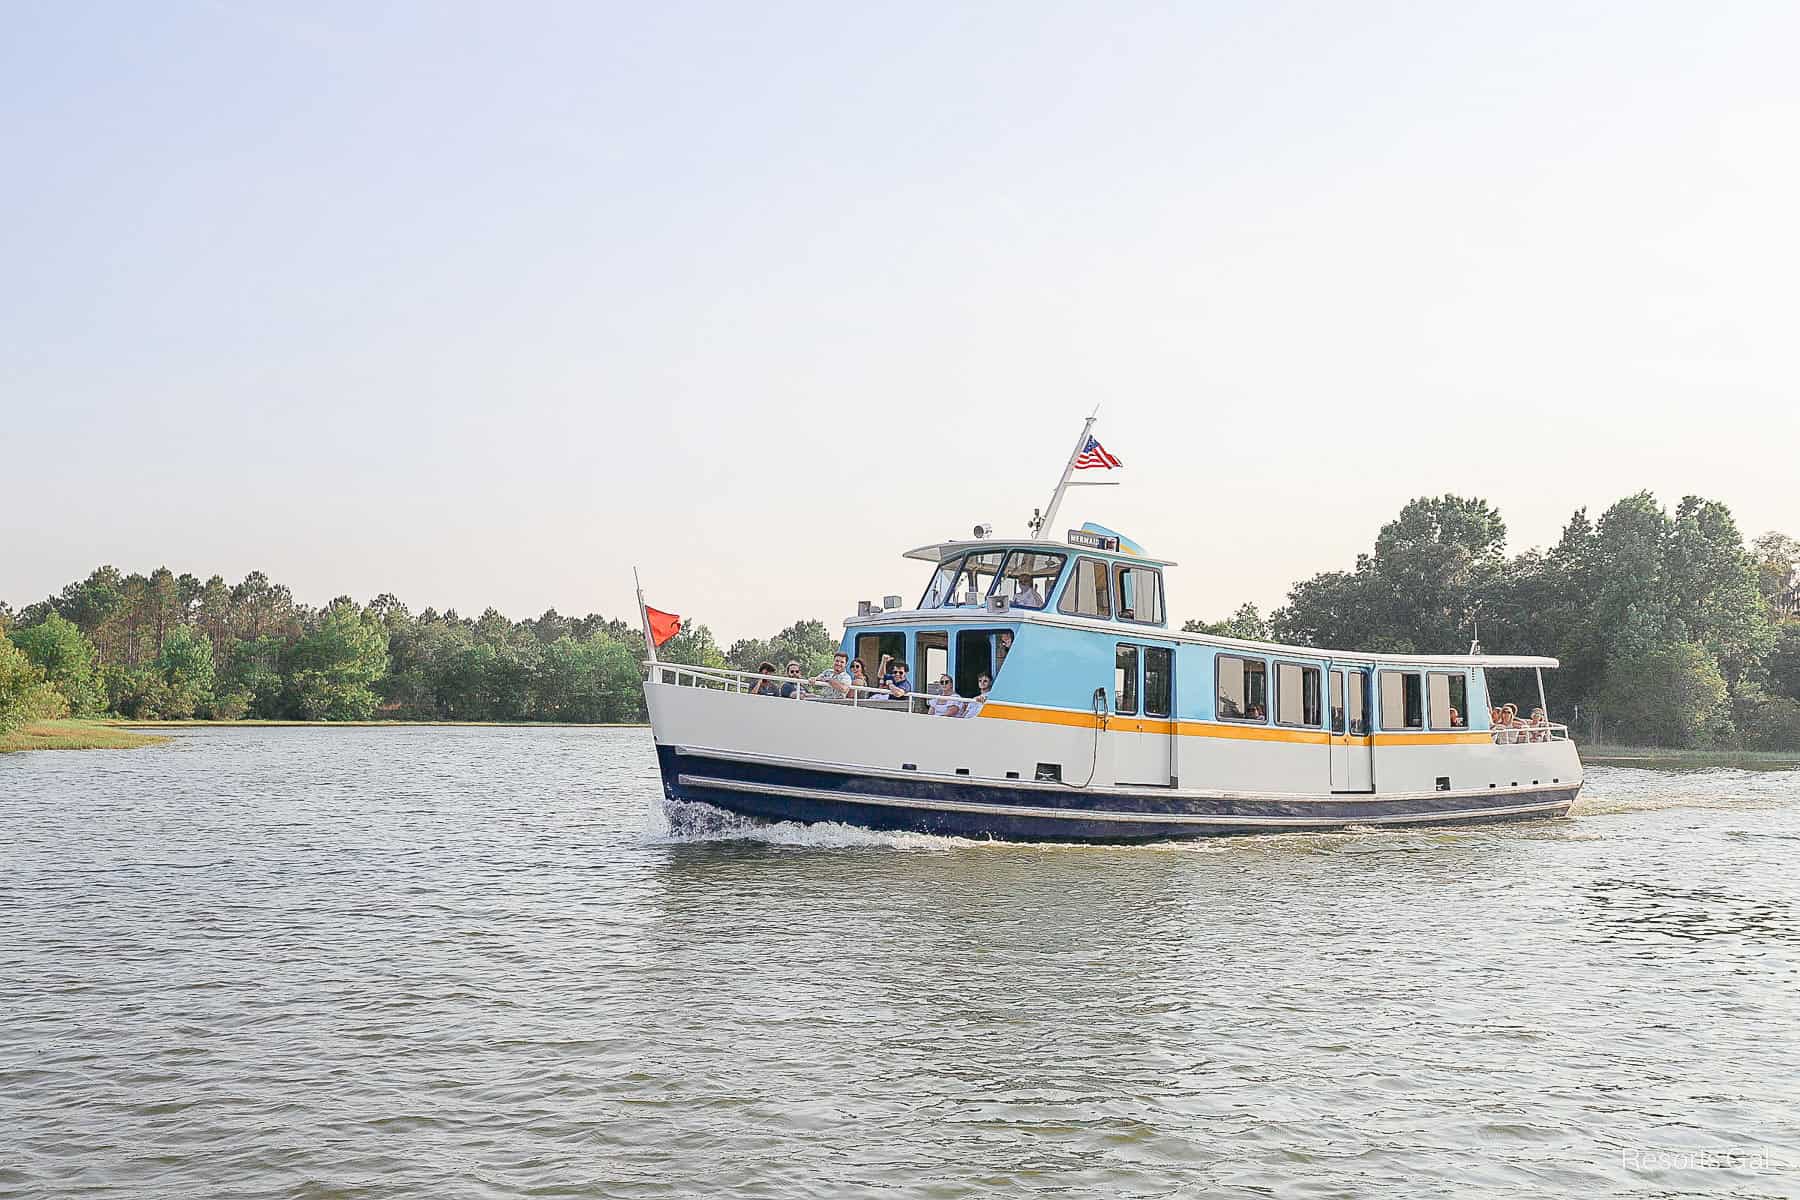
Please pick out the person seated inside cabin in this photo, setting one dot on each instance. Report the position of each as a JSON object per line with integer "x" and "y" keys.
{"x": 1255, "y": 713}
{"x": 766, "y": 684}
{"x": 1028, "y": 596}
{"x": 1455, "y": 718}
{"x": 944, "y": 701}
{"x": 1003, "y": 646}
{"x": 893, "y": 677}
{"x": 859, "y": 675}
{"x": 792, "y": 689}
{"x": 836, "y": 678}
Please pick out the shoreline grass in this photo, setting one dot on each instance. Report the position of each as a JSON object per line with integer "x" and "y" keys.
{"x": 1659, "y": 756}
{"x": 74, "y": 735}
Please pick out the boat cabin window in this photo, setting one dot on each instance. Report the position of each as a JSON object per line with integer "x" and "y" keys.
{"x": 871, "y": 646}
{"x": 1449, "y": 700}
{"x": 1125, "y": 681}
{"x": 1029, "y": 577}
{"x": 1087, "y": 594}
{"x": 1159, "y": 681}
{"x": 978, "y": 575}
{"x": 975, "y": 654}
{"x": 943, "y": 581}
{"x": 1297, "y": 696}
{"x": 932, "y": 659}
{"x": 1356, "y": 704}
{"x": 1243, "y": 688}
{"x": 1140, "y": 594}
{"x": 1402, "y": 700}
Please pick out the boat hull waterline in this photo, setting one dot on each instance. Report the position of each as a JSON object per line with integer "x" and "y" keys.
{"x": 771, "y": 789}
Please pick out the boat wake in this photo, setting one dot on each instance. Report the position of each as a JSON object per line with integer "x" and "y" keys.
{"x": 684, "y": 821}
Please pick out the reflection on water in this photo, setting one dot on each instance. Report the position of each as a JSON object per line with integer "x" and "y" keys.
{"x": 428, "y": 962}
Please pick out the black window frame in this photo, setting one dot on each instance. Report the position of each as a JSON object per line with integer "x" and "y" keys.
{"x": 948, "y": 601}
{"x": 1118, "y": 589}
{"x": 1454, "y": 677}
{"x": 1062, "y": 564}
{"x": 1417, "y": 677}
{"x": 1263, "y": 665}
{"x": 1131, "y": 691}
{"x": 1280, "y": 694}
{"x": 1072, "y": 589}
{"x": 1167, "y": 654}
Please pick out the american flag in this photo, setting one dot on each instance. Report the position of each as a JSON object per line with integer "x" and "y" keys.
{"x": 1094, "y": 455}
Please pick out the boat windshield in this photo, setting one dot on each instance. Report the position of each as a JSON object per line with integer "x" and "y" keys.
{"x": 943, "y": 584}
{"x": 1029, "y": 577}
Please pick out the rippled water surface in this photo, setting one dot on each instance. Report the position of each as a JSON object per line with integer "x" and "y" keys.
{"x": 466, "y": 962}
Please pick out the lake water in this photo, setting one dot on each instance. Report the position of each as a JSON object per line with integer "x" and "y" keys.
{"x": 479, "y": 962}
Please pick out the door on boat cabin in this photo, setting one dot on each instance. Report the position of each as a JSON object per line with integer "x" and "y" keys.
{"x": 1143, "y": 715}
{"x": 1352, "y": 749}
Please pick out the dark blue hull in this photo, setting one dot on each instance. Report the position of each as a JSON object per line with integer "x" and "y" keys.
{"x": 785, "y": 791}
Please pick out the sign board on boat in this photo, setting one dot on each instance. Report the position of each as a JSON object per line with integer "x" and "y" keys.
{"x": 1093, "y": 541}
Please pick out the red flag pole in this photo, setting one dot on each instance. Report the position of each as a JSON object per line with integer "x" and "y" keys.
{"x": 644, "y": 617}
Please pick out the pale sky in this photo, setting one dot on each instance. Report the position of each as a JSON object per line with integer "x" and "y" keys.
{"x": 483, "y": 304}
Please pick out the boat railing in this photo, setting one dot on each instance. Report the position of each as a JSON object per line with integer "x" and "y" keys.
{"x": 1528, "y": 734}
{"x": 809, "y": 688}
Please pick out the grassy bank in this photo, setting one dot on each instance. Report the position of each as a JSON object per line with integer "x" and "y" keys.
{"x": 126, "y": 723}
{"x": 1654, "y": 756}
{"x": 74, "y": 735}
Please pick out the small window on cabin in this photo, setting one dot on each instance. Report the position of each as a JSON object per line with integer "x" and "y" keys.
{"x": 1337, "y": 702}
{"x": 1159, "y": 681}
{"x": 1087, "y": 594}
{"x": 1297, "y": 700}
{"x": 1402, "y": 700}
{"x": 1140, "y": 594}
{"x": 1243, "y": 689}
{"x": 1125, "y": 681}
{"x": 1449, "y": 700}
{"x": 1029, "y": 577}
{"x": 1356, "y": 703}
{"x": 932, "y": 659}
{"x": 978, "y": 575}
{"x": 943, "y": 581}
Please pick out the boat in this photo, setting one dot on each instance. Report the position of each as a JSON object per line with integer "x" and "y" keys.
{"x": 1101, "y": 723}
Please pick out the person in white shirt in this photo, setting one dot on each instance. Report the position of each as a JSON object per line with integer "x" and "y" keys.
{"x": 1028, "y": 596}
{"x": 946, "y": 703}
{"x": 838, "y": 677}
{"x": 984, "y": 685}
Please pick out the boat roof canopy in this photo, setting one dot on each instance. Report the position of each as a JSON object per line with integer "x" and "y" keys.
{"x": 939, "y": 551}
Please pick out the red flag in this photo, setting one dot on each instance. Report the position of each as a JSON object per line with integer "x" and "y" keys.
{"x": 663, "y": 626}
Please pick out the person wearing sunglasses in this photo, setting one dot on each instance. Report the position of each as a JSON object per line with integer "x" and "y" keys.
{"x": 791, "y": 690}
{"x": 944, "y": 701}
{"x": 895, "y": 681}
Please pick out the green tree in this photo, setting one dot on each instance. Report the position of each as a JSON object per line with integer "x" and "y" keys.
{"x": 67, "y": 660}
{"x": 184, "y": 666}
{"x": 1666, "y": 697}
{"x": 332, "y": 668}
{"x": 25, "y": 695}
{"x": 1246, "y": 623}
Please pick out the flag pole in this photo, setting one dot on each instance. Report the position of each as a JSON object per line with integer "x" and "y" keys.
{"x": 644, "y": 616}
{"x": 1062, "y": 485}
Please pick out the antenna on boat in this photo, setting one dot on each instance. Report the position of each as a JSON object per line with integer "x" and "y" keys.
{"x": 1475, "y": 645}
{"x": 1043, "y": 519}
{"x": 649, "y": 641}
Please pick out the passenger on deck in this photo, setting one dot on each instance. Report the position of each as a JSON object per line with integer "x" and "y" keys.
{"x": 791, "y": 690}
{"x": 945, "y": 702}
{"x": 984, "y": 685}
{"x": 837, "y": 678}
{"x": 766, "y": 684}
{"x": 1540, "y": 725}
{"x": 1028, "y": 596}
{"x": 859, "y": 676}
{"x": 894, "y": 679}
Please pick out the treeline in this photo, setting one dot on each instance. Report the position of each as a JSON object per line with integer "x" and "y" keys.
{"x": 168, "y": 646}
{"x": 1671, "y": 631}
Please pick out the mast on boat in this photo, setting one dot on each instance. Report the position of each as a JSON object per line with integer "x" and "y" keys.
{"x": 1045, "y": 518}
